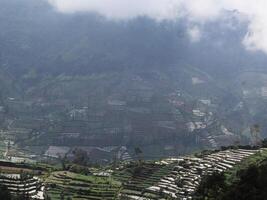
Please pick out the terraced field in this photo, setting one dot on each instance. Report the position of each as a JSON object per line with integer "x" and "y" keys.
{"x": 80, "y": 187}
{"x": 178, "y": 178}
{"x": 133, "y": 179}
{"x": 18, "y": 184}
{"x": 136, "y": 179}
{"x": 173, "y": 178}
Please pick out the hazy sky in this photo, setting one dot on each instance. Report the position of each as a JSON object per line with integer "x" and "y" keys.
{"x": 198, "y": 12}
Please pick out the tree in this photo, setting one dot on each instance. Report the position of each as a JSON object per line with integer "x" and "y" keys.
{"x": 264, "y": 143}
{"x": 212, "y": 186}
{"x": 63, "y": 160}
{"x": 80, "y": 157}
{"x": 4, "y": 193}
{"x": 255, "y": 134}
{"x": 47, "y": 197}
{"x": 62, "y": 196}
{"x": 138, "y": 153}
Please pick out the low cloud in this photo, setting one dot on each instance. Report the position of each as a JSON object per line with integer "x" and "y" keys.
{"x": 194, "y": 33}
{"x": 121, "y": 9}
{"x": 196, "y": 11}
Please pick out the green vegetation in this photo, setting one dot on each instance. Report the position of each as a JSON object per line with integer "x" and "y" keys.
{"x": 247, "y": 180}
{"x": 132, "y": 179}
{"x": 137, "y": 178}
{"x": 78, "y": 187}
{"x": 244, "y": 181}
{"x": 4, "y": 193}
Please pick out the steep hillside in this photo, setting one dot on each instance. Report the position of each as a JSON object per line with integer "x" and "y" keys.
{"x": 245, "y": 181}
{"x": 141, "y": 83}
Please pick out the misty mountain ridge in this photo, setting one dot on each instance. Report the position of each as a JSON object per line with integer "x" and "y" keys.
{"x": 167, "y": 78}
{"x": 127, "y": 100}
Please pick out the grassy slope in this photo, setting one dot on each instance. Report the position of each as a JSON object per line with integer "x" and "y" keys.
{"x": 236, "y": 183}
{"x": 79, "y": 186}
{"x": 231, "y": 175}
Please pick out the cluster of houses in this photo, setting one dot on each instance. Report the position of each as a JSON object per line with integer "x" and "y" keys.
{"x": 12, "y": 155}
{"x": 256, "y": 92}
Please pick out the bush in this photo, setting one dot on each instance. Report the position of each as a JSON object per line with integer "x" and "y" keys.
{"x": 79, "y": 169}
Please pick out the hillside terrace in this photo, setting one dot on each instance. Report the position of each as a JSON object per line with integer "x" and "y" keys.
{"x": 185, "y": 176}
{"x": 18, "y": 184}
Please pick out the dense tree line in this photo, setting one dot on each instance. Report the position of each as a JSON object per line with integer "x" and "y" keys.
{"x": 4, "y": 193}
{"x": 251, "y": 184}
